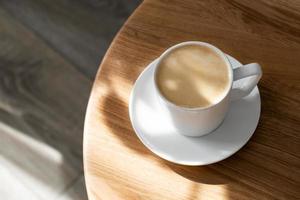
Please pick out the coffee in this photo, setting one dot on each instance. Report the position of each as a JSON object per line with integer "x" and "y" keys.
{"x": 193, "y": 76}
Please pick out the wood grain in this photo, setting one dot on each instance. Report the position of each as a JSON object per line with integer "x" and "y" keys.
{"x": 35, "y": 120}
{"x": 49, "y": 54}
{"x": 118, "y": 166}
{"x": 78, "y": 30}
{"x": 76, "y": 191}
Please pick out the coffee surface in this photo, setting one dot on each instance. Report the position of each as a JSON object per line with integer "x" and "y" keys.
{"x": 193, "y": 76}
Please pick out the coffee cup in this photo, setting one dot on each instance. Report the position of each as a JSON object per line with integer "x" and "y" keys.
{"x": 194, "y": 81}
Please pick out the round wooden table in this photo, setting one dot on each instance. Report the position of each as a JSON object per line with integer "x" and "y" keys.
{"x": 118, "y": 166}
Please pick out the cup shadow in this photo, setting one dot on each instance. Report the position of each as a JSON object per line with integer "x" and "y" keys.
{"x": 121, "y": 127}
{"x": 199, "y": 174}
{"x": 119, "y": 123}
{"x": 232, "y": 172}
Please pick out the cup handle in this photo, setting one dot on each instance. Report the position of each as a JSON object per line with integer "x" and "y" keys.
{"x": 252, "y": 70}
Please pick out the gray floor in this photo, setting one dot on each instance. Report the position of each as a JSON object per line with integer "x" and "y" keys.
{"x": 49, "y": 53}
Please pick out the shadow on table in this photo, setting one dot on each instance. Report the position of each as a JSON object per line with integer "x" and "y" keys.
{"x": 237, "y": 174}
{"x": 119, "y": 126}
{"x": 199, "y": 174}
{"x": 214, "y": 174}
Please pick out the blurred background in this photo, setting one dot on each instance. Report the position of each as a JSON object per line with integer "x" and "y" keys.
{"x": 50, "y": 51}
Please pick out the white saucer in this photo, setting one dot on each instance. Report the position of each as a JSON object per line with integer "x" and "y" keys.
{"x": 155, "y": 129}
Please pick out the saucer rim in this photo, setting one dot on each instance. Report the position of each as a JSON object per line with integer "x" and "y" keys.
{"x": 161, "y": 155}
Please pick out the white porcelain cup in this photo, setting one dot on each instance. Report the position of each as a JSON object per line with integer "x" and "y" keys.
{"x": 203, "y": 120}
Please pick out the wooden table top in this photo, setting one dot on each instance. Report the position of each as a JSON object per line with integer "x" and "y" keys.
{"x": 118, "y": 166}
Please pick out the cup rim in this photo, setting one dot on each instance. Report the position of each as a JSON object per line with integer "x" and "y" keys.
{"x": 217, "y": 50}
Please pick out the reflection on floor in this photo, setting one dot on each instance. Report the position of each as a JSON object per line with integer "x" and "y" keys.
{"x": 50, "y": 51}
